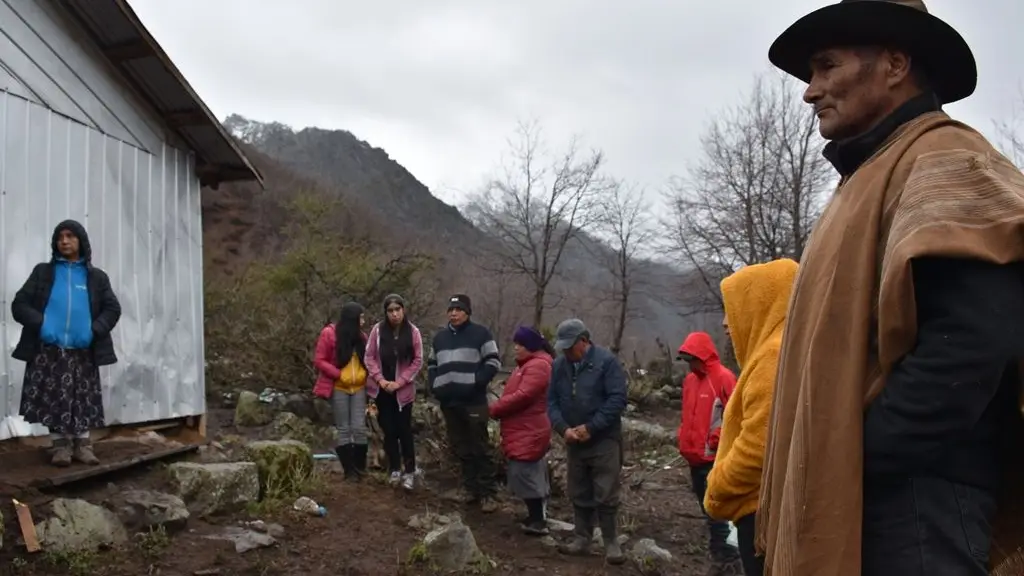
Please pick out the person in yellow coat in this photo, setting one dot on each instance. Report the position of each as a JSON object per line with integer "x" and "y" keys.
{"x": 755, "y": 299}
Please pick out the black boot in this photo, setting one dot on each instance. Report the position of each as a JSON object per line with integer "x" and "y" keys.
{"x": 583, "y": 532}
{"x": 344, "y": 452}
{"x": 359, "y": 459}
{"x": 610, "y": 534}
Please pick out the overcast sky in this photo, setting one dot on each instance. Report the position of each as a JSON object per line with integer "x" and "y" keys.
{"x": 441, "y": 84}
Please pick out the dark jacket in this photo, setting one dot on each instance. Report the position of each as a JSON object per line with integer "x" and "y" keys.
{"x": 591, "y": 394}
{"x": 463, "y": 360}
{"x": 30, "y": 302}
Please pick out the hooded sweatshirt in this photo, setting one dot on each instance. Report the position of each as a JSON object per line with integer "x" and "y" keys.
{"x": 706, "y": 391}
{"x": 67, "y": 319}
{"x": 756, "y": 300}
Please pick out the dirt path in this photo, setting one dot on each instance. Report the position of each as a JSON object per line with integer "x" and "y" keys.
{"x": 366, "y": 531}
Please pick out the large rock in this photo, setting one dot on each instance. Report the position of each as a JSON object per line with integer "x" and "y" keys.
{"x": 452, "y": 548}
{"x": 80, "y": 526}
{"x": 250, "y": 411}
{"x": 142, "y": 510}
{"x": 218, "y": 487}
{"x": 316, "y": 410}
{"x": 289, "y": 426}
{"x": 284, "y": 466}
{"x": 647, "y": 433}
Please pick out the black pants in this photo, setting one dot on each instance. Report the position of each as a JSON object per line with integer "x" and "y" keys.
{"x": 753, "y": 565}
{"x": 468, "y": 437}
{"x": 926, "y": 526}
{"x": 718, "y": 530}
{"x": 595, "y": 485}
{"x": 397, "y": 427}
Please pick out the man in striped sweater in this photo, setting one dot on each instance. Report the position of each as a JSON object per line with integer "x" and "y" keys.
{"x": 462, "y": 363}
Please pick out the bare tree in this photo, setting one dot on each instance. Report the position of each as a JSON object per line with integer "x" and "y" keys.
{"x": 535, "y": 209}
{"x": 1011, "y": 133}
{"x": 756, "y": 191}
{"x": 623, "y": 222}
{"x": 498, "y": 303}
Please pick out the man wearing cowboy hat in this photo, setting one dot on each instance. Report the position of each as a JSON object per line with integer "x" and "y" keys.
{"x": 897, "y": 399}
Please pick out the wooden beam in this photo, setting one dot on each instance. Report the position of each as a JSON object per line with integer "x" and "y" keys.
{"x": 125, "y": 51}
{"x": 186, "y": 118}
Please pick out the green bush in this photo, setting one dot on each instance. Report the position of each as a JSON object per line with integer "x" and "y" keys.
{"x": 262, "y": 325}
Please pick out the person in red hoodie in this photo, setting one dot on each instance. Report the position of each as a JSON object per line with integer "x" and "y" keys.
{"x": 525, "y": 428}
{"x": 706, "y": 390}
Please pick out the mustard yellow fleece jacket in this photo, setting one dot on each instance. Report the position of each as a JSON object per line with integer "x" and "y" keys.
{"x": 756, "y": 299}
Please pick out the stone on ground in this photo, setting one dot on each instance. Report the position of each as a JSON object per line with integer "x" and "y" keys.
{"x": 250, "y": 411}
{"x": 429, "y": 521}
{"x": 452, "y": 548}
{"x": 650, "y": 558}
{"x": 244, "y": 539}
{"x": 217, "y": 487}
{"x": 77, "y": 525}
{"x": 284, "y": 465}
{"x": 142, "y": 510}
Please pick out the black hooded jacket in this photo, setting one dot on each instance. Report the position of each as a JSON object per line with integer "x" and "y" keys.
{"x": 31, "y": 300}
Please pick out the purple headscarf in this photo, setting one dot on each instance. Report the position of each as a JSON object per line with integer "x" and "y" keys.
{"x": 530, "y": 339}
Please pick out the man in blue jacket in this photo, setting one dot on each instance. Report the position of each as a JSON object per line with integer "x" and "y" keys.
{"x": 585, "y": 403}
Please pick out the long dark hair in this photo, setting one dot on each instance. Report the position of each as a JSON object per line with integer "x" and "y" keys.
{"x": 348, "y": 335}
{"x": 401, "y": 348}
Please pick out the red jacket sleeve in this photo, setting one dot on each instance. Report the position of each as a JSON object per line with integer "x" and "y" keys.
{"x": 533, "y": 384}
{"x": 726, "y": 383}
{"x": 323, "y": 360}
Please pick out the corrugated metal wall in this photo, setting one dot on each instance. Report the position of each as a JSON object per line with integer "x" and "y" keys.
{"x": 143, "y": 215}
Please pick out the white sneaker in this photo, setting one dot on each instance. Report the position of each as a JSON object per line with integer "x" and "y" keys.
{"x": 408, "y": 481}
{"x": 396, "y": 477}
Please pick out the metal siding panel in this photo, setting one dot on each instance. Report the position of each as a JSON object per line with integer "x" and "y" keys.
{"x": 10, "y": 83}
{"x": 79, "y": 70}
{"x": 144, "y": 218}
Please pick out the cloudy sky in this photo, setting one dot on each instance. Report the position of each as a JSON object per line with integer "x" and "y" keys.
{"x": 441, "y": 84}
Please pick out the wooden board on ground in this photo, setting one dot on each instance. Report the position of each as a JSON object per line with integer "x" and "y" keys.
{"x": 28, "y": 528}
{"x": 29, "y": 467}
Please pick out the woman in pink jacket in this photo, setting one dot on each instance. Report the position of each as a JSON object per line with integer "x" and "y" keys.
{"x": 394, "y": 356}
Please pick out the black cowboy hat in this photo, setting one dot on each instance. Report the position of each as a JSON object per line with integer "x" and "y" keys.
{"x": 946, "y": 58}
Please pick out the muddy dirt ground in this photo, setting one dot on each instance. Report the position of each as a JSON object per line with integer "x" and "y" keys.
{"x": 365, "y": 530}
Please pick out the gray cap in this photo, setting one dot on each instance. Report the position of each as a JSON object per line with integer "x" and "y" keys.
{"x": 569, "y": 332}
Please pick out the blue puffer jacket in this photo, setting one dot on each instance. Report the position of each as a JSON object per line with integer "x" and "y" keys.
{"x": 591, "y": 392}
{"x": 67, "y": 320}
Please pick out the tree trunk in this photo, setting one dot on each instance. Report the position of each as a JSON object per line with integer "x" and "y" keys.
{"x": 620, "y": 325}
{"x": 538, "y": 308}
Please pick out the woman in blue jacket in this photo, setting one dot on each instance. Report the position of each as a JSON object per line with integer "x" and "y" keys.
{"x": 67, "y": 310}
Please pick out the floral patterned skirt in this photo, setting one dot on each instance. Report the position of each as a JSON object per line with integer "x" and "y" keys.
{"x": 62, "y": 391}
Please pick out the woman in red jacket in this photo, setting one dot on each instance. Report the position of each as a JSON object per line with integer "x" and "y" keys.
{"x": 525, "y": 428}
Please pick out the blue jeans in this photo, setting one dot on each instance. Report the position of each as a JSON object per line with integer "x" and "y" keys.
{"x": 718, "y": 530}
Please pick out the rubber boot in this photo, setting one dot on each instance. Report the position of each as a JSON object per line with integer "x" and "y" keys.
{"x": 359, "y": 452}
{"x": 583, "y": 533}
{"x": 344, "y": 452}
{"x": 610, "y": 534}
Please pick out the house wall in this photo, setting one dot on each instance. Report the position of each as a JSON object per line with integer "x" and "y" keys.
{"x": 75, "y": 143}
